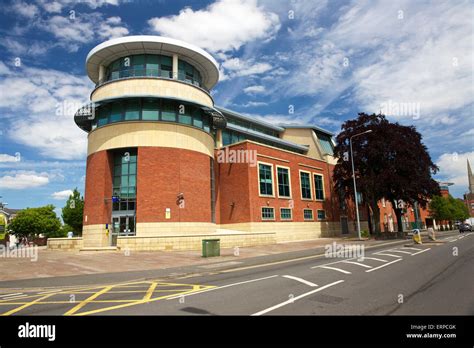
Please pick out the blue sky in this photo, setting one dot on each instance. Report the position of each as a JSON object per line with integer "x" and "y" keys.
{"x": 328, "y": 60}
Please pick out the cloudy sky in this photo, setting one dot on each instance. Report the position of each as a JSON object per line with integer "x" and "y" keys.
{"x": 327, "y": 60}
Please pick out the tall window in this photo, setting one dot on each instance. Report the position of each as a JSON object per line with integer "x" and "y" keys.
{"x": 168, "y": 113}
{"x": 265, "y": 179}
{"x": 321, "y": 215}
{"x": 150, "y": 111}
{"x": 305, "y": 181}
{"x": 319, "y": 186}
{"x": 125, "y": 174}
{"x": 283, "y": 182}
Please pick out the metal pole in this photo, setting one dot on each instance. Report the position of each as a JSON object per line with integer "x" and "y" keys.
{"x": 355, "y": 191}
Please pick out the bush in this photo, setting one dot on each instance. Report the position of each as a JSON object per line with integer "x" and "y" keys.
{"x": 364, "y": 234}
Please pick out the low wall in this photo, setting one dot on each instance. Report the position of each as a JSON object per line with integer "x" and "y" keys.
{"x": 194, "y": 242}
{"x": 68, "y": 244}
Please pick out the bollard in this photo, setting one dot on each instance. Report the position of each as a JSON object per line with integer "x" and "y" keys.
{"x": 431, "y": 234}
{"x": 417, "y": 236}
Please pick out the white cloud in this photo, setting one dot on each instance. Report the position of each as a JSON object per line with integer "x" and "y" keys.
{"x": 24, "y": 9}
{"x": 110, "y": 29}
{"x": 236, "y": 67}
{"x": 58, "y": 5}
{"x": 222, "y": 26}
{"x": 254, "y": 89}
{"x": 8, "y": 158}
{"x": 39, "y": 106}
{"x": 23, "y": 180}
{"x": 61, "y": 195}
{"x": 453, "y": 168}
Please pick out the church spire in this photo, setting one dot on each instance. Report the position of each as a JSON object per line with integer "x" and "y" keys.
{"x": 470, "y": 178}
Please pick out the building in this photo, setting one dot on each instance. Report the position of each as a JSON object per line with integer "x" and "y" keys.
{"x": 6, "y": 216}
{"x": 166, "y": 168}
{"x": 469, "y": 196}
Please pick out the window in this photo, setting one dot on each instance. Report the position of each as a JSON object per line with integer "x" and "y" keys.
{"x": 319, "y": 186}
{"x": 326, "y": 143}
{"x": 305, "y": 181}
{"x": 283, "y": 177}
{"x": 132, "y": 110}
{"x": 268, "y": 213}
{"x": 150, "y": 110}
{"x": 184, "y": 114}
{"x": 265, "y": 179}
{"x": 138, "y": 64}
{"x": 116, "y": 112}
{"x": 125, "y": 178}
{"x": 103, "y": 116}
{"x": 197, "y": 118}
{"x": 166, "y": 67}
{"x": 321, "y": 215}
{"x": 152, "y": 65}
{"x": 285, "y": 213}
{"x": 168, "y": 113}
{"x": 308, "y": 214}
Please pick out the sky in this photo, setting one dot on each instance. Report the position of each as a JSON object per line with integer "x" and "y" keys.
{"x": 324, "y": 60}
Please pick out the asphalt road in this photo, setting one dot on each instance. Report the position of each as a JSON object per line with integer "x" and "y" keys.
{"x": 392, "y": 278}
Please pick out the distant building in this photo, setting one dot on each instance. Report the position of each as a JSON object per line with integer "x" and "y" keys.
{"x": 469, "y": 196}
{"x": 7, "y": 215}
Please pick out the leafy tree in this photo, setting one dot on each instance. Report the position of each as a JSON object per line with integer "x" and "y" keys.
{"x": 73, "y": 211}
{"x": 391, "y": 163}
{"x": 448, "y": 209}
{"x": 31, "y": 222}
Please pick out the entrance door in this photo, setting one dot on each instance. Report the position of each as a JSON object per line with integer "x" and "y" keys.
{"x": 344, "y": 225}
{"x": 122, "y": 225}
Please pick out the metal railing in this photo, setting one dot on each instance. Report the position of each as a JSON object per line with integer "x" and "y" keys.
{"x": 151, "y": 73}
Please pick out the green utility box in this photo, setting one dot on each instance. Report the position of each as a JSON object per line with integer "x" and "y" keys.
{"x": 211, "y": 247}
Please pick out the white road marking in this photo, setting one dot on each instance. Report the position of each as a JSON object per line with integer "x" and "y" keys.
{"x": 18, "y": 293}
{"x": 380, "y": 253}
{"x": 49, "y": 291}
{"x": 421, "y": 252}
{"x": 13, "y": 297}
{"x": 357, "y": 263}
{"x": 296, "y": 298}
{"x": 399, "y": 251}
{"x": 222, "y": 287}
{"x": 386, "y": 264}
{"x": 373, "y": 258}
{"x": 461, "y": 237}
{"x": 300, "y": 280}
{"x": 453, "y": 240}
{"x": 334, "y": 269}
{"x": 417, "y": 249}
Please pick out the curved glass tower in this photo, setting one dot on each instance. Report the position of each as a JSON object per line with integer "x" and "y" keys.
{"x": 151, "y": 130}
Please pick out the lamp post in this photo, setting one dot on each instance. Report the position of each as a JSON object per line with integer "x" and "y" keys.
{"x": 354, "y": 179}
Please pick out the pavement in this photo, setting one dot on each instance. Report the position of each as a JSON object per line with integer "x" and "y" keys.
{"x": 391, "y": 277}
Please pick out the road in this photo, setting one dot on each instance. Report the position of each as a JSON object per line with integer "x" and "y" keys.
{"x": 395, "y": 278}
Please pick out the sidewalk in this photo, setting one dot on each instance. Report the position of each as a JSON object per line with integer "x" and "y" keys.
{"x": 52, "y": 263}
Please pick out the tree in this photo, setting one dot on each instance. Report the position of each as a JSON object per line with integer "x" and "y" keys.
{"x": 73, "y": 211}
{"x": 448, "y": 209}
{"x": 31, "y": 222}
{"x": 391, "y": 163}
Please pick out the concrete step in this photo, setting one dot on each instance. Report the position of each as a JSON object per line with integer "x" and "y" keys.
{"x": 107, "y": 248}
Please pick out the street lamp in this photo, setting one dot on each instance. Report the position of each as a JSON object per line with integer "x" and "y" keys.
{"x": 354, "y": 179}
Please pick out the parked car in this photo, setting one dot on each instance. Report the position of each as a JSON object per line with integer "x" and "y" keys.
{"x": 464, "y": 227}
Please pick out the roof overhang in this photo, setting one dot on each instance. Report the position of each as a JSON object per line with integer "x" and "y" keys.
{"x": 108, "y": 51}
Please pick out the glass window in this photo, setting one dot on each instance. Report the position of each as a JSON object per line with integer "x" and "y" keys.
{"x": 268, "y": 213}
{"x": 150, "y": 110}
{"x": 305, "y": 181}
{"x": 103, "y": 116}
{"x": 116, "y": 112}
{"x": 168, "y": 113}
{"x": 205, "y": 120}
{"x": 319, "y": 186}
{"x": 308, "y": 214}
{"x": 126, "y": 66}
{"x": 321, "y": 215}
{"x": 285, "y": 213}
{"x": 283, "y": 182}
{"x": 265, "y": 179}
{"x": 184, "y": 113}
{"x": 226, "y": 137}
{"x": 166, "y": 66}
{"x": 197, "y": 118}
{"x": 138, "y": 65}
{"x": 132, "y": 110}
{"x": 152, "y": 65}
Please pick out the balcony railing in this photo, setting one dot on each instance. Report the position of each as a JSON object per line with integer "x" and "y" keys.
{"x": 151, "y": 73}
